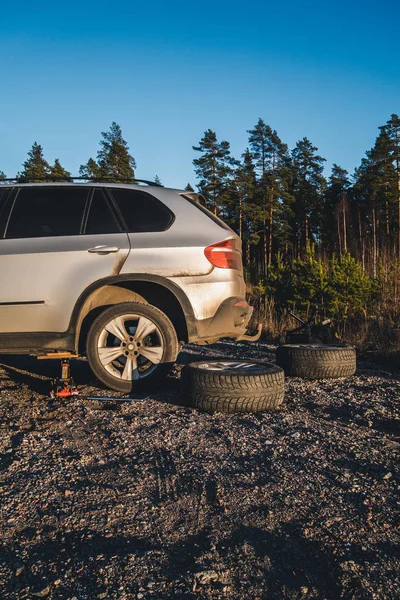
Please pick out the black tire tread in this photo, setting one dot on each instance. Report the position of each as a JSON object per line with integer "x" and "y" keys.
{"x": 317, "y": 363}
{"x": 234, "y": 391}
{"x": 237, "y": 404}
{"x": 211, "y": 379}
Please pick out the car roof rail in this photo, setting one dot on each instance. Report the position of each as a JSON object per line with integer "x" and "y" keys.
{"x": 50, "y": 179}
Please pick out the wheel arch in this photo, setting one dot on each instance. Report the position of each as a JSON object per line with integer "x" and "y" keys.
{"x": 150, "y": 289}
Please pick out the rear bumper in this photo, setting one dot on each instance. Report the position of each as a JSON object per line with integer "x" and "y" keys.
{"x": 230, "y": 320}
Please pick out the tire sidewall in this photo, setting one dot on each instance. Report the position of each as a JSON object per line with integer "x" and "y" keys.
{"x": 268, "y": 368}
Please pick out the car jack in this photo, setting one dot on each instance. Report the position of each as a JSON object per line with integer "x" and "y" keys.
{"x": 309, "y": 332}
{"x": 64, "y": 386}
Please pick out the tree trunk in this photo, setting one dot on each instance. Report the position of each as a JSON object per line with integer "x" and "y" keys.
{"x": 215, "y": 188}
{"x": 361, "y": 240}
{"x": 398, "y": 196}
{"x": 271, "y": 211}
{"x": 240, "y": 217}
{"x": 387, "y": 218}
{"x": 265, "y": 246}
{"x": 307, "y": 233}
{"x": 298, "y": 241}
{"x": 270, "y": 235}
{"x": 374, "y": 242}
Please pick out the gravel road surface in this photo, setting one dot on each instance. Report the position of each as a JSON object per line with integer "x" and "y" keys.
{"x": 150, "y": 500}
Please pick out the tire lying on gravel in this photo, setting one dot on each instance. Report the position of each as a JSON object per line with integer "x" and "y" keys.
{"x": 316, "y": 362}
{"x": 233, "y": 387}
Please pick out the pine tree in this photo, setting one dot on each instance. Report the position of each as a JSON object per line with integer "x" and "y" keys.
{"x": 113, "y": 158}
{"x": 271, "y": 163}
{"x": 285, "y": 204}
{"x": 90, "y": 170}
{"x": 114, "y": 163}
{"x": 376, "y": 199}
{"x": 376, "y": 191}
{"x": 392, "y": 131}
{"x": 189, "y": 188}
{"x": 2, "y": 176}
{"x": 384, "y": 193}
{"x": 336, "y": 213}
{"x": 350, "y": 288}
{"x": 35, "y": 168}
{"x": 214, "y": 169}
{"x": 260, "y": 144}
{"x": 157, "y": 180}
{"x": 260, "y": 141}
{"x": 245, "y": 178}
{"x": 308, "y": 185}
{"x": 58, "y": 173}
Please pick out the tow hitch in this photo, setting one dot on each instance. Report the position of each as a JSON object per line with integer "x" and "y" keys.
{"x": 251, "y": 338}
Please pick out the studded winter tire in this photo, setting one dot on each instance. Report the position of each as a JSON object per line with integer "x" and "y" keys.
{"x": 233, "y": 387}
{"x": 316, "y": 362}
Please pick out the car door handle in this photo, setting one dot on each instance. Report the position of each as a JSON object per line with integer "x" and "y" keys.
{"x": 103, "y": 249}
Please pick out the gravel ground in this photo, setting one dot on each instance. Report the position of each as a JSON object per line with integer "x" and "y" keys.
{"x": 150, "y": 500}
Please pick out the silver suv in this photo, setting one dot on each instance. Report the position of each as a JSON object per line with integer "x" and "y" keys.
{"x": 124, "y": 274}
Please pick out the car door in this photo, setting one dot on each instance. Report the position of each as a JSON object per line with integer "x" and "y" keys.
{"x": 58, "y": 240}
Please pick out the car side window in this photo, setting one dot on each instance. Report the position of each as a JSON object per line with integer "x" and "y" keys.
{"x": 47, "y": 212}
{"x": 5, "y": 197}
{"x": 101, "y": 218}
{"x": 142, "y": 211}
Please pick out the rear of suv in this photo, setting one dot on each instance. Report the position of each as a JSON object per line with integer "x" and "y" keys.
{"x": 124, "y": 274}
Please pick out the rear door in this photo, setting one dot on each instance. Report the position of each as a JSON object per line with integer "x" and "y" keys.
{"x": 58, "y": 240}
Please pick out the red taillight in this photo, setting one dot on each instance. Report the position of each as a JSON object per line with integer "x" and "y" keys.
{"x": 224, "y": 255}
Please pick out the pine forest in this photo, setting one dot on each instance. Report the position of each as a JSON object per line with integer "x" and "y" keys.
{"x": 310, "y": 241}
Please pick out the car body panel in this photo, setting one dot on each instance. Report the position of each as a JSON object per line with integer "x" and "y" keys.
{"x": 205, "y": 294}
{"x": 178, "y": 254}
{"x": 42, "y": 278}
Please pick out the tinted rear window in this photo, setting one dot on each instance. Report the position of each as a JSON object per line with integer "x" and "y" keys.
{"x": 4, "y": 194}
{"x": 101, "y": 218}
{"x": 47, "y": 212}
{"x": 141, "y": 211}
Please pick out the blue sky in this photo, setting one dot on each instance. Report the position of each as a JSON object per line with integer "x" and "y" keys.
{"x": 167, "y": 71}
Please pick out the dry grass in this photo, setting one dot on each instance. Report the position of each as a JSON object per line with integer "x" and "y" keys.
{"x": 378, "y": 334}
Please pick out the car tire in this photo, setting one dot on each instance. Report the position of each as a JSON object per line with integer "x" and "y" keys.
{"x": 316, "y": 362}
{"x": 131, "y": 345}
{"x": 233, "y": 387}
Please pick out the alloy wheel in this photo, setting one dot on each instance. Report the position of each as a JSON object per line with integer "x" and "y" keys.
{"x": 130, "y": 347}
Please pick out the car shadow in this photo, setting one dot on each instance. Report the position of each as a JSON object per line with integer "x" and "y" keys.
{"x": 38, "y": 374}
